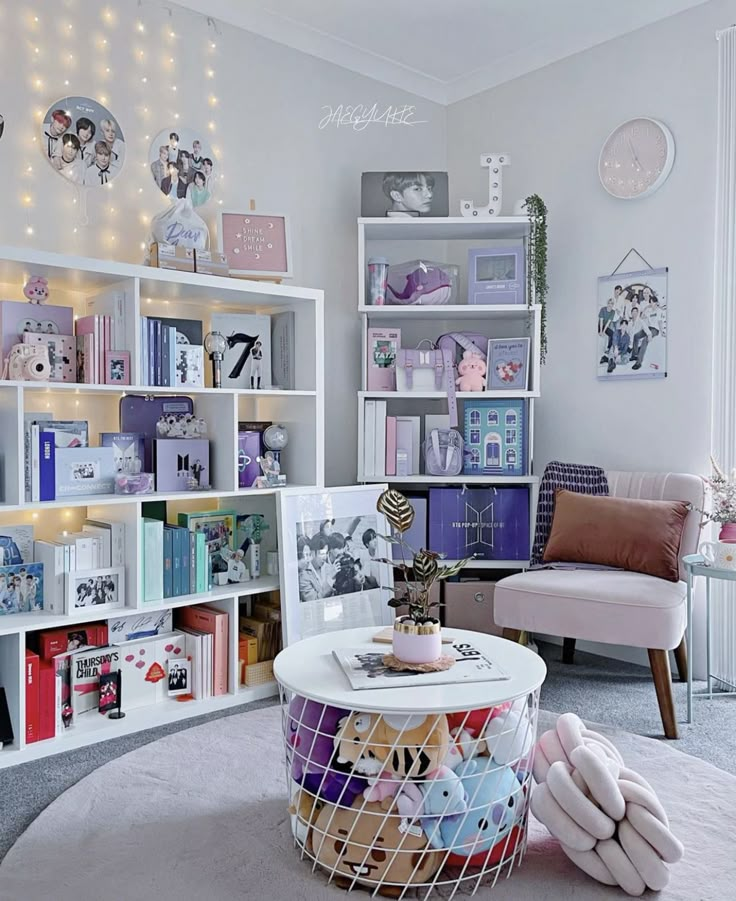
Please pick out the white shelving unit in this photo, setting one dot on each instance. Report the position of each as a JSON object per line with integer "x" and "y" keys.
{"x": 446, "y": 240}
{"x": 76, "y": 282}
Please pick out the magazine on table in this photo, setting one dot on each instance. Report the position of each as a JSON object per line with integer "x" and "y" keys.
{"x": 365, "y": 668}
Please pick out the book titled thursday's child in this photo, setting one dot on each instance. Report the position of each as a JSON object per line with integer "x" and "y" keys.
{"x": 366, "y": 669}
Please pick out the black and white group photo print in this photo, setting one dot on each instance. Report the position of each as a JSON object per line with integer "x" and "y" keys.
{"x": 99, "y": 588}
{"x": 83, "y": 141}
{"x": 183, "y": 165}
{"x": 632, "y": 325}
{"x": 404, "y": 194}
{"x": 338, "y": 556}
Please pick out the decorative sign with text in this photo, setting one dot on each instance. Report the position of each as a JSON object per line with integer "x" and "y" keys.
{"x": 255, "y": 244}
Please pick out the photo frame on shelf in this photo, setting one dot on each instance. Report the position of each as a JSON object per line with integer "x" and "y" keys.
{"x": 117, "y": 367}
{"x": 331, "y": 554}
{"x": 496, "y": 275}
{"x": 97, "y": 589}
{"x": 256, "y": 244}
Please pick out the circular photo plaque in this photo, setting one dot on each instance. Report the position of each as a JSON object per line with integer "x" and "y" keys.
{"x": 83, "y": 141}
{"x": 183, "y": 165}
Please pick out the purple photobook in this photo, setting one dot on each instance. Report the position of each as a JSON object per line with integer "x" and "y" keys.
{"x": 492, "y": 523}
{"x": 249, "y": 449}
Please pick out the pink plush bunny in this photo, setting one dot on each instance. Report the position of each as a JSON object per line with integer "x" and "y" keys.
{"x": 472, "y": 370}
{"x": 36, "y": 289}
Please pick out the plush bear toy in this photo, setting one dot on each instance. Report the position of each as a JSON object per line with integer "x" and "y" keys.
{"x": 509, "y": 737}
{"x": 471, "y": 372}
{"x": 366, "y": 846}
{"x": 36, "y": 289}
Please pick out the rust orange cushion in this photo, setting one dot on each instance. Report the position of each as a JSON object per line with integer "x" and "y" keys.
{"x": 638, "y": 535}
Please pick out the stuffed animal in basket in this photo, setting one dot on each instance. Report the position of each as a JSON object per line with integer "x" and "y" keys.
{"x": 471, "y": 372}
{"x": 365, "y": 845}
{"x": 311, "y": 729}
{"x": 509, "y": 737}
{"x": 441, "y": 794}
{"x": 496, "y": 805}
{"x": 398, "y": 745}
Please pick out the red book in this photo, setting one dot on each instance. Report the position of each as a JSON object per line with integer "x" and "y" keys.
{"x": 33, "y": 698}
{"x": 217, "y": 623}
{"x": 47, "y": 691}
{"x": 70, "y": 638}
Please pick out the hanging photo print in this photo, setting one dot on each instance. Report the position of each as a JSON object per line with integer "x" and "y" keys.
{"x": 182, "y": 165}
{"x": 83, "y": 141}
{"x": 632, "y": 325}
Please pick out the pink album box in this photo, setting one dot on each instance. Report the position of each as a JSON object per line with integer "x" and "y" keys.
{"x": 17, "y": 317}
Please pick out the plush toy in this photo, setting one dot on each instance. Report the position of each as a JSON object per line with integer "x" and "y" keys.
{"x": 402, "y": 745}
{"x": 303, "y": 809}
{"x": 471, "y": 372}
{"x": 440, "y": 795}
{"x": 475, "y": 721}
{"x": 606, "y": 817}
{"x": 509, "y": 737}
{"x": 36, "y": 289}
{"x": 311, "y": 727}
{"x": 364, "y": 845}
{"x": 360, "y": 743}
{"x": 496, "y": 806}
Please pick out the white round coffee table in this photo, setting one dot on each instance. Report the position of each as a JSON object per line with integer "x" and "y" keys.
{"x": 383, "y": 795}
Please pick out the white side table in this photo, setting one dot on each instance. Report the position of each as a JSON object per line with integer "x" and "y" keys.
{"x": 488, "y": 838}
{"x": 697, "y": 565}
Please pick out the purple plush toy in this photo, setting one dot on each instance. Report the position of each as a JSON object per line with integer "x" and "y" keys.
{"x": 312, "y": 728}
{"x": 418, "y": 282}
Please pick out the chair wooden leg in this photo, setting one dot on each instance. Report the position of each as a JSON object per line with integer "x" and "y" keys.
{"x": 681, "y": 659}
{"x": 512, "y": 634}
{"x": 568, "y": 650}
{"x": 659, "y": 661}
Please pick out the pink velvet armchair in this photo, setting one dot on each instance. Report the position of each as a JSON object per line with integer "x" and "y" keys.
{"x": 615, "y": 607}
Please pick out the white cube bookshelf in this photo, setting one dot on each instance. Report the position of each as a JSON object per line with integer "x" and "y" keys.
{"x": 447, "y": 240}
{"x": 76, "y": 282}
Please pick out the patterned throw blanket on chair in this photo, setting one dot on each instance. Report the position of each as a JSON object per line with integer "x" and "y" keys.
{"x": 572, "y": 476}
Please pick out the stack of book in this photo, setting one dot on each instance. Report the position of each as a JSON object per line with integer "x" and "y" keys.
{"x": 172, "y": 354}
{"x": 391, "y": 444}
{"x": 175, "y": 561}
{"x": 64, "y": 666}
{"x": 259, "y": 638}
{"x": 100, "y": 546}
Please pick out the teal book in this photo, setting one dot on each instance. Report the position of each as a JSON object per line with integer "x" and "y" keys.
{"x": 153, "y": 555}
{"x": 193, "y": 563}
{"x": 168, "y": 562}
{"x": 184, "y": 537}
{"x": 177, "y": 555}
{"x": 202, "y": 558}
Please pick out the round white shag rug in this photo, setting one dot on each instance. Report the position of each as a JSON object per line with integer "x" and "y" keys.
{"x": 200, "y": 815}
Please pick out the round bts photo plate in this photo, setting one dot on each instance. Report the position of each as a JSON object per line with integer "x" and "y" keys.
{"x": 182, "y": 165}
{"x": 83, "y": 141}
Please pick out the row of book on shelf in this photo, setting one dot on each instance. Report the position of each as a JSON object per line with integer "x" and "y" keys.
{"x": 74, "y": 671}
{"x": 46, "y": 343}
{"x": 494, "y": 439}
{"x": 259, "y": 352}
{"x": 202, "y": 550}
{"x": 74, "y": 571}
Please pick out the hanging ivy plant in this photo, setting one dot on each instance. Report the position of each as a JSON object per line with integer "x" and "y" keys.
{"x": 537, "y": 268}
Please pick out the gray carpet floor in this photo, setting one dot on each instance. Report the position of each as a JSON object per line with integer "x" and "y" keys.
{"x": 597, "y": 689}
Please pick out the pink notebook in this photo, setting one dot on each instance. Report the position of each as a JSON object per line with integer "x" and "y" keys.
{"x": 88, "y": 325}
{"x": 390, "y": 445}
{"x": 216, "y": 622}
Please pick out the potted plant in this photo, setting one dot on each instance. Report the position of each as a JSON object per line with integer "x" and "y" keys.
{"x": 722, "y": 489}
{"x": 416, "y": 636}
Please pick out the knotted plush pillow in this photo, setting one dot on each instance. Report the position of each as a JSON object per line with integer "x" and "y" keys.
{"x": 606, "y": 817}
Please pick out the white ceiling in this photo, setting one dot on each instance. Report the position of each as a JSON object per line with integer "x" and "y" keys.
{"x": 443, "y": 50}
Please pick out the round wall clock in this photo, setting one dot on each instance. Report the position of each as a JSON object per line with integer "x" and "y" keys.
{"x": 636, "y": 158}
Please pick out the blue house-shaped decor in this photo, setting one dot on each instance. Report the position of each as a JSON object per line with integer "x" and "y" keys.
{"x": 495, "y": 437}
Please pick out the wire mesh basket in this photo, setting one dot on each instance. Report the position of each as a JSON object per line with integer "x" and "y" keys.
{"x": 405, "y": 805}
